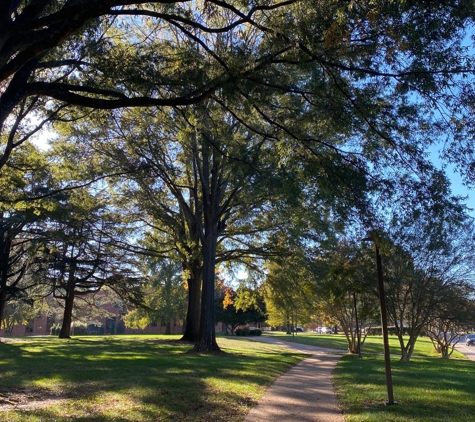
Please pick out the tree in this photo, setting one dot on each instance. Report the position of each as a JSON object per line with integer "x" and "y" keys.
{"x": 250, "y": 299}
{"x": 82, "y": 254}
{"x": 21, "y": 223}
{"x": 418, "y": 283}
{"x": 225, "y": 309}
{"x": 341, "y": 292}
{"x": 336, "y": 79}
{"x": 85, "y": 54}
{"x": 425, "y": 238}
{"x": 164, "y": 296}
{"x": 241, "y": 307}
{"x": 17, "y": 311}
{"x": 288, "y": 292}
{"x": 454, "y": 316}
{"x": 170, "y": 301}
{"x": 203, "y": 184}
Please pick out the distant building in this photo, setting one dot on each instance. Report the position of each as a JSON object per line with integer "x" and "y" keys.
{"x": 112, "y": 324}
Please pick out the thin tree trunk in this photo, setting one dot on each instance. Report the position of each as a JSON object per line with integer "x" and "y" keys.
{"x": 5, "y": 246}
{"x": 68, "y": 315}
{"x": 404, "y": 356}
{"x": 3, "y": 301}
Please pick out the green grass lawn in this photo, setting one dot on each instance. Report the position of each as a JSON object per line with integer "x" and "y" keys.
{"x": 134, "y": 378}
{"x": 426, "y": 389}
{"x": 152, "y": 378}
{"x": 372, "y": 344}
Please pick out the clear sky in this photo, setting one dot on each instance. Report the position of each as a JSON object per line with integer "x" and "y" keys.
{"x": 458, "y": 187}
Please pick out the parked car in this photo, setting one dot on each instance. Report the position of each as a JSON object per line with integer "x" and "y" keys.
{"x": 326, "y": 330}
{"x": 469, "y": 339}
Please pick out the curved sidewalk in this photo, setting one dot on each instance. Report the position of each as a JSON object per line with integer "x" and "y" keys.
{"x": 305, "y": 393}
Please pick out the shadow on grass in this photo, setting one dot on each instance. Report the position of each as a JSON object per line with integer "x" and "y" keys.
{"x": 133, "y": 380}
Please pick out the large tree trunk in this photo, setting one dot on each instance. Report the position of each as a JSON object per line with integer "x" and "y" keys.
{"x": 192, "y": 325}
{"x": 68, "y": 315}
{"x": 207, "y": 338}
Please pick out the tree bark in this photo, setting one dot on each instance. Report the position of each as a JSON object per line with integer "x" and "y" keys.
{"x": 5, "y": 247}
{"x": 3, "y": 301}
{"x": 68, "y": 315}
{"x": 207, "y": 337}
{"x": 192, "y": 324}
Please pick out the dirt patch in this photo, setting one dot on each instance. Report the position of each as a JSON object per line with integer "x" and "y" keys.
{"x": 24, "y": 399}
{"x": 9, "y": 340}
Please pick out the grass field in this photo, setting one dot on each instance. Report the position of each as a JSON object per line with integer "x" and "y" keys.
{"x": 133, "y": 378}
{"x": 152, "y": 378}
{"x": 372, "y": 344}
{"x": 426, "y": 389}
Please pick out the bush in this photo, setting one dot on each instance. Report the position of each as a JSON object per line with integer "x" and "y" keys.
{"x": 247, "y": 332}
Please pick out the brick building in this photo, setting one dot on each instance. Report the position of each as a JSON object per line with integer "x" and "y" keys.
{"x": 111, "y": 324}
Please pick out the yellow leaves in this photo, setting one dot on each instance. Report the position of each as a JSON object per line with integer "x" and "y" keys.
{"x": 228, "y": 300}
{"x": 337, "y": 36}
{"x": 333, "y": 35}
{"x": 373, "y": 15}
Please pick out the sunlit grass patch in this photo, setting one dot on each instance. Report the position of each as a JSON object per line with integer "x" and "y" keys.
{"x": 372, "y": 344}
{"x": 135, "y": 378}
{"x": 427, "y": 389}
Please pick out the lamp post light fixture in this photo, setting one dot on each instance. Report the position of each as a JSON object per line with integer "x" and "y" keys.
{"x": 384, "y": 322}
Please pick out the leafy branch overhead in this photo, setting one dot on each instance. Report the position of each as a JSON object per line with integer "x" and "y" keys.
{"x": 252, "y": 134}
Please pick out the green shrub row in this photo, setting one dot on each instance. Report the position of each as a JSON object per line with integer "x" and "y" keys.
{"x": 247, "y": 332}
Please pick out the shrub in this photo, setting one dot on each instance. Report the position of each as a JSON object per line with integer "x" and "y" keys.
{"x": 247, "y": 332}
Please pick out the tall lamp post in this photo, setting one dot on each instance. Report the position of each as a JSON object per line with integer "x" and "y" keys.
{"x": 358, "y": 333}
{"x": 384, "y": 322}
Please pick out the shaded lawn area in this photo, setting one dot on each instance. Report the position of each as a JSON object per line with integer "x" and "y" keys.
{"x": 427, "y": 390}
{"x": 372, "y": 344}
{"x": 134, "y": 378}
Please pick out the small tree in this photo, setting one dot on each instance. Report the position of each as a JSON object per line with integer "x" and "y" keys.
{"x": 164, "y": 296}
{"x": 225, "y": 309}
{"x": 241, "y": 307}
{"x": 17, "y": 312}
{"x": 454, "y": 316}
{"x": 288, "y": 292}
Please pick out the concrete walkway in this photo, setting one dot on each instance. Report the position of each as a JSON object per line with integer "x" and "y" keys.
{"x": 305, "y": 393}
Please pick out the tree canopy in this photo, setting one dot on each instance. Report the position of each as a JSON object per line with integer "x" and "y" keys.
{"x": 298, "y": 120}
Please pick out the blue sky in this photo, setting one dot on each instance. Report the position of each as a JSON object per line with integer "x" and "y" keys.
{"x": 458, "y": 187}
